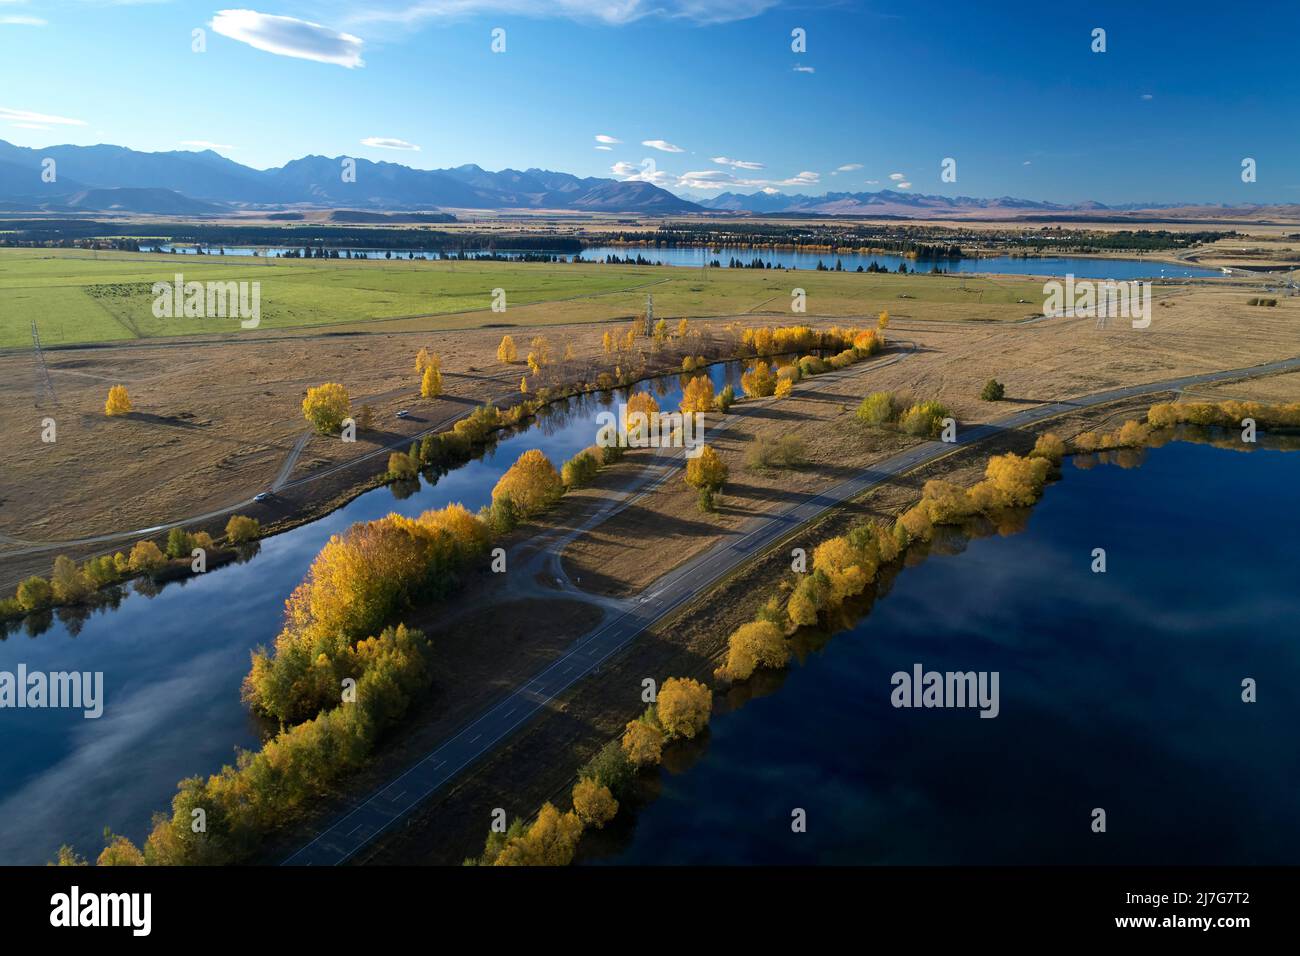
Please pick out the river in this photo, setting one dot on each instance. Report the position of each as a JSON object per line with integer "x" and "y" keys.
{"x": 173, "y": 663}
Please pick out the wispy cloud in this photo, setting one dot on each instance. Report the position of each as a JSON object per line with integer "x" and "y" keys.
{"x": 385, "y": 142}
{"x": 736, "y": 163}
{"x": 288, "y": 36}
{"x": 800, "y": 68}
{"x": 21, "y": 21}
{"x": 801, "y": 179}
{"x": 897, "y": 176}
{"x": 609, "y": 12}
{"x": 607, "y": 149}
{"x": 662, "y": 145}
{"x": 27, "y": 116}
{"x": 847, "y": 168}
{"x": 606, "y": 139}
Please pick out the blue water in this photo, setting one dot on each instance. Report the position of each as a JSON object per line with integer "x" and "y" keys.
{"x": 173, "y": 663}
{"x": 1081, "y": 266}
{"x": 1119, "y": 690}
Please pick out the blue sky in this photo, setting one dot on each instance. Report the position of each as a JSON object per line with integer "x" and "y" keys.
{"x": 1012, "y": 91}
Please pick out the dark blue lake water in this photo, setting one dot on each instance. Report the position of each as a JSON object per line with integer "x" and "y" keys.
{"x": 1119, "y": 691}
{"x": 1081, "y": 266}
{"x": 173, "y": 663}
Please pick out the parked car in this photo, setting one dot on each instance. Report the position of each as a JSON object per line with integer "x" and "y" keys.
{"x": 403, "y": 414}
{"x": 262, "y": 496}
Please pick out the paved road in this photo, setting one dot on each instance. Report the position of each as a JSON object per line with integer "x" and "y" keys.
{"x": 343, "y": 838}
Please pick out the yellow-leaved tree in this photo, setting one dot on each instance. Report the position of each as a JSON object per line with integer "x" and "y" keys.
{"x": 326, "y": 406}
{"x": 643, "y": 743}
{"x": 532, "y": 484}
{"x": 594, "y": 803}
{"x": 119, "y": 402}
{"x": 707, "y": 470}
{"x": 753, "y": 645}
{"x": 697, "y": 396}
{"x": 431, "y": 384}
{"x": 683, "y": 706}
{"x": 506, "y": 351}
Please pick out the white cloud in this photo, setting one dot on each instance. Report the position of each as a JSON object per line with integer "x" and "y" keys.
{"x": 802, "y": 179}
{"x": 609, "y": 12}
{"x": 287, "y": 36}
{"x": 662, "y": 146}
{"x": 872, "y": 182}
{"x": 848, "y": 167}
{"x": 1026, "y": 163}
{"x": 798, "y": 68}
{"x": 608, "y": 140}
{"x": 204, "y": 144}
{"x": 904, "y": 185}
{"x": 385, "y": 142}
{"x": 608, "y": 149}
{"x": 1147, "y": 96}
{"x": 736, "y": 163}
{"x": 19, "y": 21}
{"x": 896, "y": 176}
{"x": 27, "y": 116}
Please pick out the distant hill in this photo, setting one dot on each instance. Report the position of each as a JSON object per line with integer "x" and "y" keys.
{"x": 84, "y": 173}
{"x": 886, "y": 202}
{"x": 159, "y": 202}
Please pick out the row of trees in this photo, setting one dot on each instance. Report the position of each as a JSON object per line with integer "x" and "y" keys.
{"x": 844, "y": 566}
{"x": 681, "y": 712}
{"x": 923, "y": 419}
{"x": 75, "y": 584}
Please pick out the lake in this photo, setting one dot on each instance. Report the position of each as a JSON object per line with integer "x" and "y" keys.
{"x": 1119, "y": 691}
{"x": 696, "y": 257}
{"x": 173, "y": 663}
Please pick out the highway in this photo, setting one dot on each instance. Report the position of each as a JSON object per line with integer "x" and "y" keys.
{"x": 346, "y": 836}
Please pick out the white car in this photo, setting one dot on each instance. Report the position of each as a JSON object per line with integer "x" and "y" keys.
{"x": 262, "y": 496}
{"x": 403, "y": 414}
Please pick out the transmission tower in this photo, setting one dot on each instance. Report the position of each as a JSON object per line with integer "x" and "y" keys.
{"x": 45, "y": 371}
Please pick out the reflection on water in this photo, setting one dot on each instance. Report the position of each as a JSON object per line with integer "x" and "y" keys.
{"x": 173, "y": 657}
{"x": 1118, "y": 690}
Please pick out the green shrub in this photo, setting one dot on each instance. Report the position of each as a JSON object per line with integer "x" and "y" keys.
{"x": 993, "y": 391}
{"x": 878, "y": 408}
{"x": 924, "y": 419}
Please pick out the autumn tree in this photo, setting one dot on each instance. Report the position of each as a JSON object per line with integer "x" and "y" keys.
{"x": 683, "y": 707}
{"x": 883, "y": 321}
{"x": 119, "y": 851}
{"x": 541, "y": 350}
{"x": 532, "y": 483}
{"x": 758, "y": 382}
{"x": 643, "y": 403}
{"x": 146, "y": 556}
{"x": 119, "y": 402}
{"x": 594, "y": 803}
{"x": 506, "y": 351}
{"x": 1050, "y": 446}
{"x": 643, "y": 743}
{"x": 552, "y": 840}
{"x": 697, "y": 396}
{"x": 707, "y": 470}
{"x": 754, "y": 645}
{"x": 431, "y": 384}
{"x": 326, "y": 406}
{"x": 422, "y": 360}
{"x": 240, "y": 529}
{"x": 68, "y": 582}
{"x": 34, "y": 593}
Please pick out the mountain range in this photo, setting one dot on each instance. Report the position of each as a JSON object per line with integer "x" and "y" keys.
{"x": 107, "y": 178}
{"x": 114, "y": 178}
